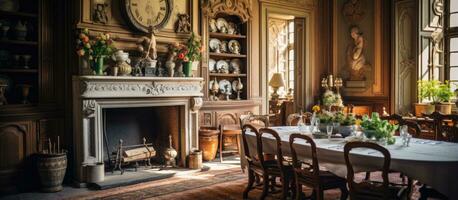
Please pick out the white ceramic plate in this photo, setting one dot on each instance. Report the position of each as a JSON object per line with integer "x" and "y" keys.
{"x": 212, "y": 65}
{"x": 215, "y": 45}
{"x": 232, "y": 45}
{"x": 222, "y": 66}
{"x": 221, "y": 24}
{"x": 225, "y": 87}
{"x": 212, "y": 25}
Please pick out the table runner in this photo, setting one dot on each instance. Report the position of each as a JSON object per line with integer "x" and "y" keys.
{"x": 434, "y": 163}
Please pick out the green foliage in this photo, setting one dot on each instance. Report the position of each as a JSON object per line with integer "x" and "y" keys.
{"x": 378, "y": 128}
{"x": 339, "y": 117}
{"x": 329, "y": 98}
{"x": 434, "y": 91}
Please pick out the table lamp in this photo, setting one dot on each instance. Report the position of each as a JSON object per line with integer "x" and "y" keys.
{"x": 276, "y": 82}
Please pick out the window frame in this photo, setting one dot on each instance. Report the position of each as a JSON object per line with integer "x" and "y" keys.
{"x": 449, "y": 33}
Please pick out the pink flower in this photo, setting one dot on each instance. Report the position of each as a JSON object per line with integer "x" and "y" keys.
{"x": 81, "y": 52}
{"x": 181, "y": 56}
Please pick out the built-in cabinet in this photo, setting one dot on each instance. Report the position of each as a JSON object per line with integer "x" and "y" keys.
{"x": 227, "y": 65}
{"x": 29, "y": 66}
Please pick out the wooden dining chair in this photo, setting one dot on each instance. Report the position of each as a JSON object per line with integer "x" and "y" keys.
{"x": 366, "y": 189}
{"x": 309, "y": 174}
{"x": 413, "y": 127}
{"x": 254, "y": 166}
{"x": 446, "y": 126}
{"x": 274, "y": 168}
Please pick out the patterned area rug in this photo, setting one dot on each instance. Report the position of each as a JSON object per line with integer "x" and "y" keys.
{"x": 225, "y": 184}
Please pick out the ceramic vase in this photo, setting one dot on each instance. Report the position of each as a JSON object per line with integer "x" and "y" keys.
{"x": 98, "y": 65}
{"x": 187, "y": 69}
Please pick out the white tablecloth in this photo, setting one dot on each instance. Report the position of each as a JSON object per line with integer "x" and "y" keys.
{"x": 431, "y": 162}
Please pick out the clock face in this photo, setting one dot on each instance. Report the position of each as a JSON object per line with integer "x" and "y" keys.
{"x": 144, "y": 14}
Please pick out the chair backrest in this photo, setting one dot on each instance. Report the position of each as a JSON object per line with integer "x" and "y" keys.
{"x": 279, "y": 153}
{"x": 256, "y": 120}
{"x": 251, "y": 128}
{"x": 311, "y": 170}
{"x": 398, "y": 119}
{"x": 366, "y": 188}
{"x": 446, "y": 126}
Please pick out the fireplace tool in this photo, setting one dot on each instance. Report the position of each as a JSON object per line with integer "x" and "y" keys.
{"x": 133, "y": 153}
{"x": 170, "y": 154}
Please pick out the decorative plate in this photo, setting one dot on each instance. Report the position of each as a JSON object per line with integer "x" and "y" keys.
{"x": 215, "y": 45}
{"x": 212, "y": 26}
{"x": 231, "y": 28}
{"x": 223, "y": 47}
{"x": 225, "y": 87}
{"x": 222, "y": 66}
{"x": 234, "y": 47}
{"x": 222, "y": 25}
{"x": 235, "y": 66}
{"x": 212, "y": 65}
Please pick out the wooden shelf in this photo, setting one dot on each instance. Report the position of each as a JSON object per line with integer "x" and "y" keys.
{"x": 19, "y": 14}
{"x": 18, "y": 42}
{"x": 227, "y": 36}
{"x": 18, "y": 70}
{"x": 226, "y": 55}
{"x": 227, "y": 75}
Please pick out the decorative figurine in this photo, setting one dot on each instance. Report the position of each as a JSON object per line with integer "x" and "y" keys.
{"x": 238, "y": 88}
{"x": 100, "y": 14}
{"x": 183, "y": 25}
{"x": 122, "y": 62}
{"x": 21, "y": 30}
{"x": 214, "y": 87}
{"x": 25, "y": 88}
{"x": 170, "y": 63}
{"x": 26, "y": 60}
{"x": 228, "y": 91}
{"x": 179, "y": 70}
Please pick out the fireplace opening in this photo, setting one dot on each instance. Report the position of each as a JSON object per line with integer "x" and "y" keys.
{"x": 131, "y": 125}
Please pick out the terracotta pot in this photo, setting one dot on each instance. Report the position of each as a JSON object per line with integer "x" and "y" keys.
{"x": 444, "y": 108}
{"x": 51, "y": 170}
{"x": 421, "y": 108}
{"x": 208, "y": 143}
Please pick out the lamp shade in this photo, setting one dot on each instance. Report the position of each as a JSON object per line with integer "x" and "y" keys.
{"x": 277, "y": 80}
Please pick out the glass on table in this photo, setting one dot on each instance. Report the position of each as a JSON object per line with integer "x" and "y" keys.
{"x": 329, "y": 128}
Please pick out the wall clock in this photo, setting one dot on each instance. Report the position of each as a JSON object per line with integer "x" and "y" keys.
{"x": 146, "y": 14}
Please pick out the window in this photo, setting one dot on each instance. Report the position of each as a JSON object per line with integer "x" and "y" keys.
{"x": 290, "y": 75}
{"x": 451, "y": 42}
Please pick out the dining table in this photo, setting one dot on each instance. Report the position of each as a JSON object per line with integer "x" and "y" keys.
{"x": 434, "y": 163}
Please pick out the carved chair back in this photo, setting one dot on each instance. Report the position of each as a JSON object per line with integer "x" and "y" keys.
{"x": 259, "y": 121}
{"x": 248, "y": 128}
{"x": 293, "y": 119}
{"x": 367, "y": 190}
{"x": 413, "y": 126}
{"x": 301, "y": 168}
{"x": 446, "y": 126}
{"x": 261, "y": 154}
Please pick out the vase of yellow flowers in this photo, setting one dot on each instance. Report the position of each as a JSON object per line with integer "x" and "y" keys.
{"x": 95, "y": 50}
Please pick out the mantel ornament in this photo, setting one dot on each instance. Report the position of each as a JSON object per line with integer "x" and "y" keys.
{"x": 241, "y": 8}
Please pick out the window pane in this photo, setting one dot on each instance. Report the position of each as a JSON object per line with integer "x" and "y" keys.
{"x": 453, "y": 59}
{"x": 453, "y": 44}
{"x": 453, "y": 6}
{"x": 454, "y": 20}
{"x": 454, "y": 73}
{"x": 291, "y": 26}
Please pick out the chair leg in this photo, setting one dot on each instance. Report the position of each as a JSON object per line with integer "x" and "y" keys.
{"x": 250, "y": 183}
{"x": 343, "y": 192}
{"x": 298, "y": 191}
{"x": 221, "y": 146}
{"x": 285, "y": 187}
{"x": 319, "y": 194}
{"x": 368, "y": 176}
{"x": 265, "y": 188}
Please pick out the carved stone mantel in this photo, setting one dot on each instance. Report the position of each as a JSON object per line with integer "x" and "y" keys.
{"x": 92, "y": 94}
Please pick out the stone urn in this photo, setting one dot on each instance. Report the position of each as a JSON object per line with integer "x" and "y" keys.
{"x": 170, "y": 154}
{"x": 51, "y": 170}
{"x": 122, "y": 62}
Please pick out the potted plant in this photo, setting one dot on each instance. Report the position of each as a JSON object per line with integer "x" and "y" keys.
{"x": 377, "y": 129}
{"x": 345, "y": 123}
{"x": 443, "y": 96}
{"x": 425, "y": 92}
{"x": 95, "y": 50}
{"x": 189, "y": 53}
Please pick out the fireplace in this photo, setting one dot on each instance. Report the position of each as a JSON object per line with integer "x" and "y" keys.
{"x": 137, "y": 107}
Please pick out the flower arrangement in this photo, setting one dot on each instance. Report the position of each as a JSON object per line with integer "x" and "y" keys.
{"x": 316, "y": 108}
{"x": 190, "y": 52}
{"x": 377, "y": 128}
{"x": 103, "y": 45}
{"x": 329, "y": 98}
